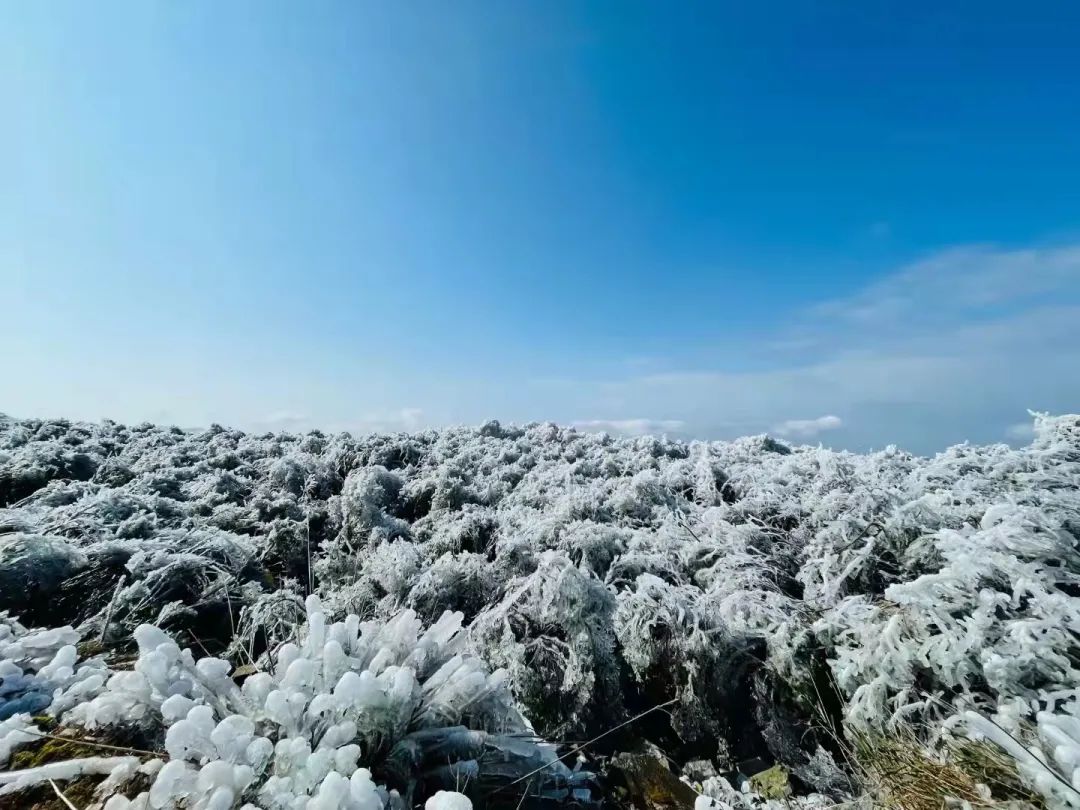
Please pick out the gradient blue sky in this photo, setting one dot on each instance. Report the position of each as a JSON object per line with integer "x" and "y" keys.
{"x": 856, "y": 225}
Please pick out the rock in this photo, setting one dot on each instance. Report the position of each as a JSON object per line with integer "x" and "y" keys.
{"x": 645, "y": 782}
{"x": 698, "y": 770}
{"x": 771, "y": 783}
{"x": 243, "y": 672}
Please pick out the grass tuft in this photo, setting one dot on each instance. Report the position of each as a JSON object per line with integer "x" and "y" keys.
{"x": 907, "y": 775}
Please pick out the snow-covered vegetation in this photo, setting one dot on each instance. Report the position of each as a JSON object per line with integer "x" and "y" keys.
{"x": 313, "y": 621}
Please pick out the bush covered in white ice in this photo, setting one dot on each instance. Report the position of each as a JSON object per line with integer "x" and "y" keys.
{"x": 775, "y": 598}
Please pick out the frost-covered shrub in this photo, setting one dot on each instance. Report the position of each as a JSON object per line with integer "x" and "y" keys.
{"x": 472, "y": 529}
{"x": 676, "y": 645}
{"x": 33, "y": 464}
{"x": 750, "y": 580}
{"x": 592, "y": 545}
{"x": 290, "y": 473}
{"x": 553, "y": 632}
{"x": 995, "y": 616}
{"x": 268, "y": 621}
{"x": 365, "y": 500}
{"x": 383, "y": 581}
{"x": 32, "y": 570}
{"x": 189, "y": 574}
{"x": 362, "y": 515}
{"x": 462, "y": 582}
{"x": 987, "y": 610}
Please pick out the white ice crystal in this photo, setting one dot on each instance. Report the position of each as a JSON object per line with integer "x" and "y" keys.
{"x": 15, "y": 731}
{"x": 294, "y": 734}
{"x": 448, "y": 800}
{"x": 14, "y": 781}
{"x": 37, "y": 667}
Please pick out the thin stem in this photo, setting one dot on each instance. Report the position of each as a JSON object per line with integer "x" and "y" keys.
{"x": 63, "y": 798}
{"x": 91, "y": 743}
{"x": 108, "y": 613}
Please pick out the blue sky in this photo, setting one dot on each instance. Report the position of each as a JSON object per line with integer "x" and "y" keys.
{"x": 856, "y": 226}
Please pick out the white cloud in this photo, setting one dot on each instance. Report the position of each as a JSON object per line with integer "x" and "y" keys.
{"x": 411, "y": 418}
{"x": 933, "y": 354}
{"x": 402, "y": 420}
{"x": 959, "y": 281}
{"x": 1021, "y": 431}
{"x": 808, "y": 428}
{"x": 283, "y": 420}
{"x": 630, "y": 427}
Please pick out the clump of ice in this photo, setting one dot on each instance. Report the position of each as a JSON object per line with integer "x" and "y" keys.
{"x": 298, "y": 733}
{"x": 14, "y": 781}
{"x": 448, "y": 800}
{"x": 37, "y": 666}
{"x": 15, "y": 731}
{"x": 717, "y": 793}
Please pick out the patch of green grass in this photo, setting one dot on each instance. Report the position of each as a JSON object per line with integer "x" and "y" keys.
{"x": 51, "y": 750}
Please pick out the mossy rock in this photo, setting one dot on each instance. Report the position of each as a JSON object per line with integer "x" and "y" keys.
{"x": 46, "y": 723}
{"x": 647, "y": 783}
{"x": 772, "y": 783}
{"x": 90, "y": 648}
{"x": 51, "y": 750}
{"x": 79, "y": 792}
{"x": 65, "y": 745}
